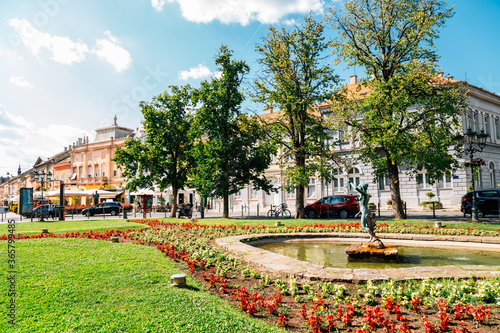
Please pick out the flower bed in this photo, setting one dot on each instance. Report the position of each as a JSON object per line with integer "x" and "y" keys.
{"x": 429, "y": 305}
{"x": 421, "y": 306}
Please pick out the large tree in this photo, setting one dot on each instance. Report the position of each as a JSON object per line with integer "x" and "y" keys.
{"x": 229, "y": 152}
{"x": 296, "y": 77}
{"x": 161, "y": 158}
{"x": 404, "y": 115}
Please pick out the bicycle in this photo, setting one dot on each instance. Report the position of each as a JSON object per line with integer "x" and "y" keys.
{"x": 279, "y": 211}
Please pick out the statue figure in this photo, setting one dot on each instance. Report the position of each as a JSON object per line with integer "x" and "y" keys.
{"x": 96, "y": 198}
{"x": 367, "y": 217}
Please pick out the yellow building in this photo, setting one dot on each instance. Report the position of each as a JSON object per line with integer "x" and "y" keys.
{"x": 91, "y": 163}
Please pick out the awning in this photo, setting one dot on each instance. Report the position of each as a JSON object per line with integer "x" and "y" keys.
{"x": 109, "y": 194}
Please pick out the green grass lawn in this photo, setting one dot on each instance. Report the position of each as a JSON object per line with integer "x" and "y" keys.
{"x": 82, "y": 285}
{"x": 61, "y": 227}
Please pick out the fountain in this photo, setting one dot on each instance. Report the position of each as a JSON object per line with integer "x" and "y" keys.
{"x": 374, "y": 249}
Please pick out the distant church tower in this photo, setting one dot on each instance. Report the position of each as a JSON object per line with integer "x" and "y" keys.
{"x": 19, "y": 170}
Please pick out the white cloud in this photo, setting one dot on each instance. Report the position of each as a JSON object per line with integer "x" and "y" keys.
{"x": 243, "y": 12}
{"x": 20, "y": 81}
{"x": 195, "y": 73}
{"x": 158, "y": 4}
{"x": 110, "y": 52}
{"x": 22, "y": 142}
{"x": 66, "y": 51}
{"x": 63, "y": 49}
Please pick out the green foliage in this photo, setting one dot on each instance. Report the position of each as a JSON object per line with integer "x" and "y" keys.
{"x": 296, "y": 77}
{"x": 229, "y": 153}
{"x": 408, "y": 116}
{"x": 430, "y": 195}
{"x": 162, "y": 157}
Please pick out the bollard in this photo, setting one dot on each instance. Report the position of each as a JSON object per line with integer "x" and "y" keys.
{"x": 433, "y": 210}
{"x": 278, "y": 223}
{"x": 124, "y": 213}
{"x": 379, "y": 208}
{"x": 45, "y": 231}
{"x": 437, "y": 224}
{"x": 115, "y": 239}
{"x": 178, "y": 280}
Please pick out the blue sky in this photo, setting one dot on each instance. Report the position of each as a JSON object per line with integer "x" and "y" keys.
{"x": 68, "y": 66}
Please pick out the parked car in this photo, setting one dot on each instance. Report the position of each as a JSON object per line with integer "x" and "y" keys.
{"x": 109, "y": 207}
{"x": 342, "y": 205}
{"x": 47, "y": 210}
{"x": 487, "y": 202}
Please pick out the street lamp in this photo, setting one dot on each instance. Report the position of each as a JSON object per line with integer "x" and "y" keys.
{"x": 43, "y": 178}
{"x": 470, "y": 138}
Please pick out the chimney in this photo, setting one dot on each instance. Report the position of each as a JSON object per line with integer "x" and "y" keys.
{"x": 450, "y": 78}
{"x": 440, "y": 75}
{"x": 269, "y": 110}
{"x": 79, "y": 141}
{"x": 65, "y": 148}
{"x": 354, "y": 79}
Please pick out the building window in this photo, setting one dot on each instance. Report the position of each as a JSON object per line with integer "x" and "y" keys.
{"x": 311, "y": 189}
{"x": 354, "y": 176}
{"x": 237, "y": 195}
{"x": 497, "y": 127}
{"x": 444, "y": 181}
{"x": 486, "y": 124}
{"x": 89, "y": 173}
{"x": 423, "y": 180}
{"x": 493, "y": 179}
{"x": 338, "y": 181}
{"x": 104, "y": 170}
{"x": 97, "y": 171}
{"x": 383, "y": 183}
{"x": 254, "y": 194}
{"x": 290, "y": 194}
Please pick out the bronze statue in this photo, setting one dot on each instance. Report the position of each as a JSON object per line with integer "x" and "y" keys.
{"x": 367, "y": 217}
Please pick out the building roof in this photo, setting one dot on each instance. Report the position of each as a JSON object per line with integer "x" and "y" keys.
{"x": 112, "y": 132}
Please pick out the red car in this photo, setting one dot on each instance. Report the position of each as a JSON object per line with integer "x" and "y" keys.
{"x": 341, "y": 205}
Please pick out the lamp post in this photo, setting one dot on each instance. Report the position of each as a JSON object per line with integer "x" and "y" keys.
{"x": 43, "y": 178}
{"x": 470, "y": 138}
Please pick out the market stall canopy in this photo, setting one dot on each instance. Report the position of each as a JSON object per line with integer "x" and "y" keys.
{"x": 143, "y": 192}
{"x": 68, "y": 193}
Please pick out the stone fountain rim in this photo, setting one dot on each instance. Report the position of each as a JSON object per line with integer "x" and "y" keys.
{"x": 278, "y": 265}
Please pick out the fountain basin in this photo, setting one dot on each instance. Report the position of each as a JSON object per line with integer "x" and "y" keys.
{"x": 276, "y": 264}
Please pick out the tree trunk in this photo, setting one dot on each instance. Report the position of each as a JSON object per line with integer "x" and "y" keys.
{"x": 299, "y": 202}
{"x": 175, "y": 190}
{"x": 397, "y": 206}
{"x": 225, "y": 213}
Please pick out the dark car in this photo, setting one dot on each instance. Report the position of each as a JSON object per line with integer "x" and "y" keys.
{"x": 487, "y": 202}
{"x": 47, "y": 211}
{"x": 342, "y": 205}
{"x": 111, "y": 207}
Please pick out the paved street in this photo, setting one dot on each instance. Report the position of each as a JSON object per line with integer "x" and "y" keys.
{"x": 447, "y": 215}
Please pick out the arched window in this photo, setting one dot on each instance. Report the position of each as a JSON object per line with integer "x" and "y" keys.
{"x": 354, "y": 176}
{"x": 493, "y": 180}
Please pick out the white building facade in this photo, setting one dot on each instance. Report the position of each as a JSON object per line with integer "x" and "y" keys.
{"x": 483, "y": 113}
